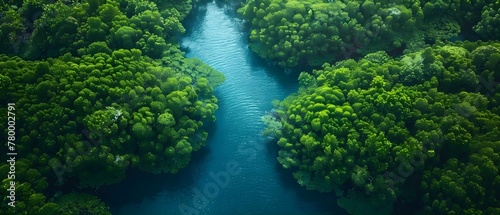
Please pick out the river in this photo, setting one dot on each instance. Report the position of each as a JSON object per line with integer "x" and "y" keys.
{"x": 236, "y": 172}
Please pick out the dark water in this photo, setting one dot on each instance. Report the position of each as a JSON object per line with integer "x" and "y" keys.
{"x": 237, "y": 172}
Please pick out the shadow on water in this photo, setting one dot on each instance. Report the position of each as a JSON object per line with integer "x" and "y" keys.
{"x": 191, "y": 21}
{"x": 144, "y": 193}
{"x": 276, "y": 72}
{"x": 173, "y": 183}
{"x": 321, "y": 200}
{"x": 129, "y": 195}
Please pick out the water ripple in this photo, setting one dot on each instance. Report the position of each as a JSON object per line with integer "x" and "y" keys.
{"x": 260, "y": 186}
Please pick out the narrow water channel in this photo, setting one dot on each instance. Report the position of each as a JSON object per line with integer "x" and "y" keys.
{"x": 237, "y": 172}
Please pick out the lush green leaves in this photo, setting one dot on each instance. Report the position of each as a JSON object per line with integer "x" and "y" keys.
{"x": 361, "y": 128}
{"x": 115, "y": 93}
{"x": 304, "y": 32}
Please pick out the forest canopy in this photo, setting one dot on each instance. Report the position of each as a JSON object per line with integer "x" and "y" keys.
{"x": 99, "y": 87}
{"x": 376, "y": 130}
{"x": 295, "y": 33}
{"x": 400, "y": 109}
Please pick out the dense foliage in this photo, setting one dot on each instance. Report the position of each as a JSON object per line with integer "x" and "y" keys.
{"x": 362, "y": 128}
{"x": 99, "y": 86}
{"x": 53, "y": 28}
{"x": 311, "y": 32}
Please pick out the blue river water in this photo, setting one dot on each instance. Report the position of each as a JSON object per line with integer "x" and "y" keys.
{"x": 236, "y": 172}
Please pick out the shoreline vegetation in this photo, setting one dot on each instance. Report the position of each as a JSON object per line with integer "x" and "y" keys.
{"x": 395, "y": 118}
{"x": 394, "y": 113}
{"x": 99, "y": 87}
